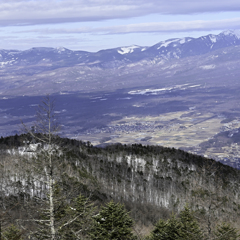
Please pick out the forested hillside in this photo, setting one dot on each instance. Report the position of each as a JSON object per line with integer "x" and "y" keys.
{"x": 151, "y": 181}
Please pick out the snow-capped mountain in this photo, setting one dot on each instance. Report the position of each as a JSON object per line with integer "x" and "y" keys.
{"x": 131, "y": 49}
{"x": 111, "y": 58}
{"x": 185, "y": 47}
{"x": 61, "y": 70}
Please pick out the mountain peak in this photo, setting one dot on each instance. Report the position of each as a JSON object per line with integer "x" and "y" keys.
{"x": 231, "y": 33}
{"x": 61, "y": 49}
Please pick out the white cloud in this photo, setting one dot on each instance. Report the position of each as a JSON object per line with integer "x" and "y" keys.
{"x": 30, "y": 12}
{"x": 178, "y": 26}
{"x": 97, "y": 24}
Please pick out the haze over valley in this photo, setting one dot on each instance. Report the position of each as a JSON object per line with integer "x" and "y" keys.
{"x": 181, "y": 93}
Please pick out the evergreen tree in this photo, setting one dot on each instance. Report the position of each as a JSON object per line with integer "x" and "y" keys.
{"x": 12, "y": 233}
{"x": 225, "y": 231}
{"x": 167, "y": 230}
{"x": 189, "y": 226}
{"x": 183, "y": 228}
{"x": 159, "y": 232}
{"x": 112, "y": 222}
{"x": 78, "y": 219}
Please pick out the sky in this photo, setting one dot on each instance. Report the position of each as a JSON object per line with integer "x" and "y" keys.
{"x": 92, "y": 25}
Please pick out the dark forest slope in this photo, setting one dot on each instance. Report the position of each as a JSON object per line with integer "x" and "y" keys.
{"x": 152, "y": 181}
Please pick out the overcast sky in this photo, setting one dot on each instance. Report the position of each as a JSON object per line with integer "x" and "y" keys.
{"x": 92, "y": 25}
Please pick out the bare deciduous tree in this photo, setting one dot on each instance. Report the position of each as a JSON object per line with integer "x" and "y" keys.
{"x": 44, "y": 132}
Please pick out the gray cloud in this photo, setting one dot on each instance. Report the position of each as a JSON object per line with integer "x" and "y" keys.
{"x": 179, "y": 26}
{"x": 30, "y": 12}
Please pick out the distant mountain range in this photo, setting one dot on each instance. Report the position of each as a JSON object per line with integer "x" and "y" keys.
{"x": 176, "y": 48}
{"x": 197, "y": 77}
{"x": 38, "y": 71}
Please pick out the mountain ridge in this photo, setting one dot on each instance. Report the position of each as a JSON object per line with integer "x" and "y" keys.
{"x": 150, "y": 177}
{"x": 176, "y": 48}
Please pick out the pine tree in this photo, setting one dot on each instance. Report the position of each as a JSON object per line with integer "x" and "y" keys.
{"x": 159, "y": 231}
{"x": 189, "y": 226}
{"x": 225, "y": 231}
{"x": 167, "y": 230}
{"x": 183, "y": 228}
{"x": 77, "y": 219}
{"x": 12, "y": 233}
{"x": 112, "y": 222}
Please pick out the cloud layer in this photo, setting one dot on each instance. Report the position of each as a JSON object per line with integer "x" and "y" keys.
{"x": 31, "y": 12}
{"x": 96, "y": 24}
{"x": 152, "y": 27}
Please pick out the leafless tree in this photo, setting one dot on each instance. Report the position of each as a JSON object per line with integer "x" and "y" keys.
{"x": 44, "y": 133}
{"x": 210, "y": 197}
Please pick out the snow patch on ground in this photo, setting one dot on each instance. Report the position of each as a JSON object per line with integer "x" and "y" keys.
{"x": 182, "y": 41}
{"x": 228, "y": 32}
{"x": 195, "y": 86}
{"x": 61, "y": 49}
{"x": 237, "y": 33}
{"x": 213, "y": 38}
{"x": 91, "y": 63}
{"x": 29, "y": 150}
{"x": 166, "y": 43}
{"x": 175, "y": 55}
{"x": 125, "y": 50}
{"x": 159, "y": 90}
{"x": 126, "y": 98}
{"x": 232, "y": 32}
{"x": 6, "y": 63}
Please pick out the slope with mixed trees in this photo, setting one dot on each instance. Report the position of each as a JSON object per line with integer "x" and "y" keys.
{"x": 151, "y": 181}
{"x": 52, "y": 187}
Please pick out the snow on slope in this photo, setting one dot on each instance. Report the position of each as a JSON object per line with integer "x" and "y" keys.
{"x": 125, "y": 50}
{"x": 167, "y": 42}
{"x": 232, "y": 32}
{"x": 213, "y": 38}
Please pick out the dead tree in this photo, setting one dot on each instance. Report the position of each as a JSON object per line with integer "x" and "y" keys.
{"x": 44, "y": 133}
